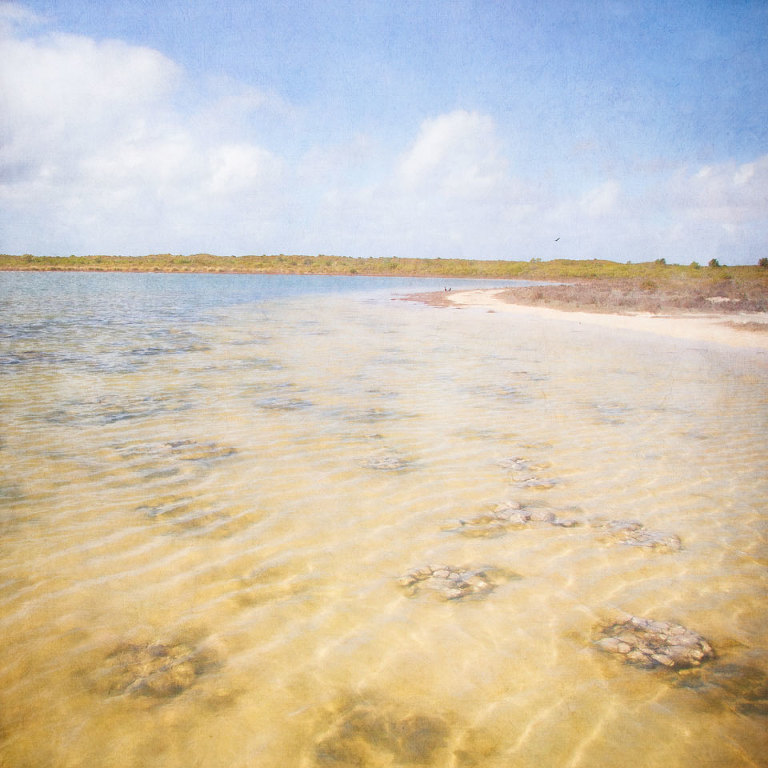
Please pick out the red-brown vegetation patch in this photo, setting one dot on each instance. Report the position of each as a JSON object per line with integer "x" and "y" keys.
{"x": 627, "y": 296}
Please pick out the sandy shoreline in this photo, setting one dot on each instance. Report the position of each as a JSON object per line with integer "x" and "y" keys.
{"x": 729, "y": 329}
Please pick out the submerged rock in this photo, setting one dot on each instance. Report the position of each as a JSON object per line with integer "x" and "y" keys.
{"x": 449, "y": 582}
{"x": 537, "y": 483}
{"x": 373, "y": 415}
{"x": 370, "y": 733}
{"x": 635, "y": 534}
{"x": 157, "y": 670}
{"x": 521, "y": 464}
{"x": 190, "y": 450}
{"x": 284, "y": 404}
{"x": 507, "y": 516}
{"x": 647, "y": 643}
{"x": 390, "y": 462}
{"x": 523, "y": 471}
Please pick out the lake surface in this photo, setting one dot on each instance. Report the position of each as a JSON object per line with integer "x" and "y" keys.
{"x": 213, "y": 489}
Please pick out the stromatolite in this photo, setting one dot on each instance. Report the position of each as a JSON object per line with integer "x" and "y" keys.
{"x": 381, "y": 733}
{"x": 648, "y": 643}
{"x": 635, "y": 534}
{"x": 521, "y": 464}
{"x": 159, "y": 670}
{"x": 536, "y": 483}
{"x": 509, "y": 515}
{"x": 191, "y": 450}
{"x": 450, "y": 582}
{"x": 388, "y": 462}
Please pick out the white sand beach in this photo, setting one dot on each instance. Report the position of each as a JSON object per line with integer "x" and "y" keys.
{"x": 719, "y": 328}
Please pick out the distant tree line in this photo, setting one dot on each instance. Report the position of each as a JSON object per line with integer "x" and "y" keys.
{"x": 535, "y": 269}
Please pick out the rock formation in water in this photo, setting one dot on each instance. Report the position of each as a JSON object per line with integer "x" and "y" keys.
{"x": 158, "y": 670}
{"x": 191, "y": 450}
{"x": 387, "y": 462}
{"x": 509, "y": 515}
{"x": 449, "y": 582}
{"x": 379, "y": 733}
{"x": 649, "y": 643}
{"x": 521, "y": 469}
{"x": 635, "y": 534}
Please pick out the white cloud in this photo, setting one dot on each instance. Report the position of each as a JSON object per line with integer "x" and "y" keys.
{"x": 717, "y": 211}
{"x": 449, "y": 193}
{"x": 728, "y": 195}
{"x": 456, "y": 155}
{"x": 62, "y": 92}
{"x": 452, "y": 192}
{"x": 94, "y": 156}
{"x": 601, "y": 200}
{"x": 233, "y": 168}
{"x": 13, "y": 15}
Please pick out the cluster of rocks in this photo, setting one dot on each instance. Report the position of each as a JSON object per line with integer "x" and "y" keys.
{"x": 536, "y": 483}
{"x": 648, "y": 643}
{"x": 388, "y": 462}
{"x": 635, "y": 534}
{"x": 368, "y": 733}
{"x": 157, "y": 670}
{"x": 510, "y": 514}
{"x": 450, "y": 582}
{"x": 519, "y": 464}
{"x": 520, "y": 467}
{"x": 191, "y": 450}
{"x": 643, "y": 642}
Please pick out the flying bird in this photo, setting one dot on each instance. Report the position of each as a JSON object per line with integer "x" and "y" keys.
{"x": 556, "y": 239}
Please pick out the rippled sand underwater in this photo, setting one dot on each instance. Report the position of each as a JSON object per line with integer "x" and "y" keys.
{"x": 212, "y": 535}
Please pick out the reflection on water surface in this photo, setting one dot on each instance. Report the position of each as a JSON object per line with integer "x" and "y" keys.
{"x": 325, "y": 529}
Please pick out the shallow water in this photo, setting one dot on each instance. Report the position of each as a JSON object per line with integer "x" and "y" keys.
{"x": 208, "y": 498}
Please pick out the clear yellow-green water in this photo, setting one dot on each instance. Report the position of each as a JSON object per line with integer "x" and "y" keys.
{"x": 245, "y": 494}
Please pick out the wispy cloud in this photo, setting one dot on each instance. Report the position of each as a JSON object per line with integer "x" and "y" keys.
{"x": 96, "y": 155}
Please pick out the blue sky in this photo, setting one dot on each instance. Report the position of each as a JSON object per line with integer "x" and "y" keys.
{"x": 630, "y": 130}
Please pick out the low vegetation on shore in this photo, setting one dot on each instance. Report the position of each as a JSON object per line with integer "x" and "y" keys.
{"x": 599, "y": 285}
{"x": 736, "y": 290}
